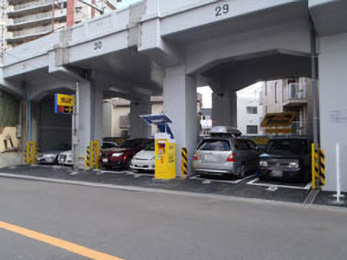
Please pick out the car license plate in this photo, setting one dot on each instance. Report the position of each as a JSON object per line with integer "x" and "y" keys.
{"x": 104, "y": 160}
{"x": 210, "y": 158}
{"x": 277, "y": 173}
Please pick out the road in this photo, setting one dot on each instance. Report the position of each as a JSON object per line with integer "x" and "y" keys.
{"x": 153, "y": 226}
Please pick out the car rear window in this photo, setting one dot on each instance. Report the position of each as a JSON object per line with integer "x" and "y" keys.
{"x": 287, "y": 147}
{"x": 108, "y": 145}
{"x": 130, "y": 144}
{"x": 215, "y": 145}
{"x": 242, "y": 145}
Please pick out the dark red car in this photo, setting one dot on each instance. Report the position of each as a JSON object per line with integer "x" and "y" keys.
{"x": 119, "y": 158}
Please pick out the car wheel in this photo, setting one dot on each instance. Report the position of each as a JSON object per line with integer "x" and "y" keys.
{"x": 242, "y": 171}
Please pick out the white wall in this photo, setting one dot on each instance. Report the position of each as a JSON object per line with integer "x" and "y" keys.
{"x": 333, "y": 104}
{"x": 249, "y": 97}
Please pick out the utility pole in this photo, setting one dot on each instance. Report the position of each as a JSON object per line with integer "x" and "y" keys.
{"x": 314, "y": 56}
{"x": 75, "y": 124}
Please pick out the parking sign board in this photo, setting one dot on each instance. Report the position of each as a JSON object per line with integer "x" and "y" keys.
{"x": 63, "y": 104}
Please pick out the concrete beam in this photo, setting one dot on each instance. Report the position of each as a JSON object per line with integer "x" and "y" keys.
{"x": 161, "y": 51}
{"x": 329, "y": 16}
{"x": 10, "y": 86}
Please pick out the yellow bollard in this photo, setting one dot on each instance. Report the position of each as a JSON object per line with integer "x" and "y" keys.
{"x": 322, "y": 168}
{"x": 184, "y": 162}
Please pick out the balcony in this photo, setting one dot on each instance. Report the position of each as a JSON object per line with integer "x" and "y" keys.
{"x": 294, "y": 94}
{"x": 28, "y": 8}
{"x": 18, "y": 37}
{"x": 35, "y": 20}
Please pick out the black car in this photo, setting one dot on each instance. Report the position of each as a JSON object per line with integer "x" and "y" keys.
{"x": 286, "y": 159}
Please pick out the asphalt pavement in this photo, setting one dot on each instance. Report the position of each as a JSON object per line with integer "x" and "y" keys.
{"x": 137, "y": 225}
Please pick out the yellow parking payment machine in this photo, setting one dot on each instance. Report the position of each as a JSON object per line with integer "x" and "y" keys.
{"x": 165, "y": 157}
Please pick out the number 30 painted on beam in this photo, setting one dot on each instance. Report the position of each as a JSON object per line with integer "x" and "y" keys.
{"x": 222, "y": 9}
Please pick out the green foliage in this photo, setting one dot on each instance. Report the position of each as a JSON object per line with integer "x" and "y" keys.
{"x": 9, "y": 109}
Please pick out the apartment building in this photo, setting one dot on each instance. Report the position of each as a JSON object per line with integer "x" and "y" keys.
{"x": 290, "y": 95}
{"x": 27, "y": 20}
{"x": 249, "y": 110}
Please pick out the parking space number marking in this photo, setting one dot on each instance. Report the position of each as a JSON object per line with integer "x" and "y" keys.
{"x": 222, "y": 10}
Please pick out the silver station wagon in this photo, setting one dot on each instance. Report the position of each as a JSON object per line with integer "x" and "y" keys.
{"x": 226, "y": 152}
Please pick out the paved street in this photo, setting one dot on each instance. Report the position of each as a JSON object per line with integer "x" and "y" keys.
{"x": 149, "y": 226}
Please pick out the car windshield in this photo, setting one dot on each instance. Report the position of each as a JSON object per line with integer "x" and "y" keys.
{"x": 130, "y": 144}
{"x": 108, "y": 145}
{"x": 214, "y": 145}
{"x": 150, "y": 147}
{"x": 287, "y": 147}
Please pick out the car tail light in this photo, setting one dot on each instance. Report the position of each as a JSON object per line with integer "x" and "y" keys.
{"x": 231, "y": 158}
{"x": 196, "y": 157}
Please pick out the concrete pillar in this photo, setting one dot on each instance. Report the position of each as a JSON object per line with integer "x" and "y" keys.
{"x": 180, "y": 106}
{"x": 97, "y": 108}
{"x": 138, "y": 127}
{"x": 90, "y": 118}
{"x": 224, "y": 108}
{"x": 108, "y": 118}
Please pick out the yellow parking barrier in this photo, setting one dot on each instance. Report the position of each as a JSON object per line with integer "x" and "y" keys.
{"x": 318, "y": 167}
{"x": 184, "y": 162}
{"x": 322, "y": 168}
{"x": 96, "y": 154}
{"x": 87, "y": 159}
{"x": 93, "y": 156}
{"x": 315, "y": 167}
{"x": 30, "y": 152}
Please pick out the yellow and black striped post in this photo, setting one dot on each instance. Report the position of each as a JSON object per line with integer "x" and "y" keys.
{"x": 315, "y": 167}
{"x": 87, "y": 159}
{"x": 184, "y": 162}
{"x": 30, "y": 152}
{"x": 92, "y": 155}
{"x": 96, "y": 154}
{"x": 322, "y": 168}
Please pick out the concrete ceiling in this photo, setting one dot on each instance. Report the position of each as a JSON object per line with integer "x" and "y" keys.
{"x": 238, "y": 74}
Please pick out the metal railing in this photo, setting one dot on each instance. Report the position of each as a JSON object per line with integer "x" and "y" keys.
{"x": 32, "y": 31}
{"x": 294, "y": 91}
{"x": 36, "y": 17}
{"x": 31, "y": 5}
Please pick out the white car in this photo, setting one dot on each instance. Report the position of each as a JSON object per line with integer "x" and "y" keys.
{"x": 144, "y": 160}
{"x": 65, "y": 158}
{"x": 49, "y": 157}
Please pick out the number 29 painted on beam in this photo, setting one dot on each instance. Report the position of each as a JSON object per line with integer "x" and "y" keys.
{"x": 222, "y": 9}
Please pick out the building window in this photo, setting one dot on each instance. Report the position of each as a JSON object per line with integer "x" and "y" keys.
{"x": 252, "y": 110}
{"x": 124, "y": 121}
{"x": 276, "y": 92}
{"x": 252, "y": 129}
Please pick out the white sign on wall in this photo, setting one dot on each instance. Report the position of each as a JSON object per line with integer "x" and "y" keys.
{"x": 339, "y": 116}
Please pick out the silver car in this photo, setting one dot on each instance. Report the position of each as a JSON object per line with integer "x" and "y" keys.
{"x": 226, "y": 155}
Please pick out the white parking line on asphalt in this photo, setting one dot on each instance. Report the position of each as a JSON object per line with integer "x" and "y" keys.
{"x": 113, "y": 172}
{"x": 209, "y": 181}
{"x": 269, "y": 185}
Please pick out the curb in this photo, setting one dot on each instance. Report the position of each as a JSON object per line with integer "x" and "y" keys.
{"x": 180, "y": 193}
